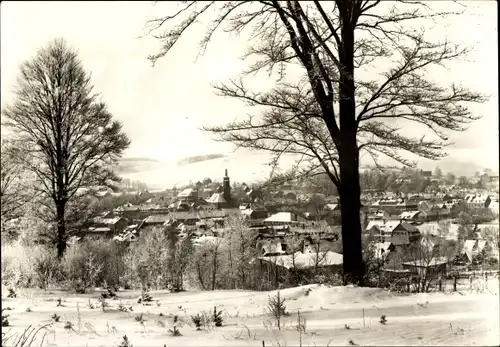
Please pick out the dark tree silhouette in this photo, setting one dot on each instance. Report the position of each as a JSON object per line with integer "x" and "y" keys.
{"x": 14, "y": 185}
{"x": 64, "y": 134}
{"x": 335, "y": 109}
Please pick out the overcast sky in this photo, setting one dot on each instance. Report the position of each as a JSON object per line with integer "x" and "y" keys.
{"x": 162, "y": 107}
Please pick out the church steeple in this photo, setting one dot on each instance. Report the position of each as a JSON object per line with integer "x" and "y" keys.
{"x": 226, "y": 187}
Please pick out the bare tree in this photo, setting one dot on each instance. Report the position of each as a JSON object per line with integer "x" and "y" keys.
{"x": 295, "y": 246}
{"x": 65, "y": 135}
{"x": 335, "y": 108}
{"x": 13, "y": 191}
{"x": 492, "y": 236}
{"x": 243, "y": 250}
{"x": 429, "y": 256}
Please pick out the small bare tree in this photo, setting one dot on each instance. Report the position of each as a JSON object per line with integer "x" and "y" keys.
{"x": 276, "y": 305}
{"x": 430, "y": 256}
{"x": 14, "y": 193}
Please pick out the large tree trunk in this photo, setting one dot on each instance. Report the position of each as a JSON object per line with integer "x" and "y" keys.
{"x": 61, "y": 228}
{"x": 349, "y": 190}
{"x": 350, "y": 205}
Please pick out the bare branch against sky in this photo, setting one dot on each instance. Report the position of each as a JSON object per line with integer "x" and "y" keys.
{"x": 155, "y": 105}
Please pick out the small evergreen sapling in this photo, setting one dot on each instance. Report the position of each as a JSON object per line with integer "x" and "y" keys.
{"x": 217, "y": 317}
{"x": 125, "y": 342}
{"x": 197, "y": 321}
{"x": 12, "y": 293}
{"x": 5, "y": 320}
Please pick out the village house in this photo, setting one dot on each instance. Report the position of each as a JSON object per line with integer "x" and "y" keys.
{"x": 110, "y": 226}
{"x": 413, "y": 216}
{"x": 156, "y": 220}
{"x": 397, "y": 232}
{"x": 494, "y": 207}
{"x": 439, "y": 212}
{"x": 130, "y": 211}
{"x": 427, "y": 268}
{"x": 254, "y": 214}
{"x": 284, "y": 218}
{"x": 478, "y": 201}
{"x": 297, "y": 267}
{"x": 394, "y": 206}
{"x": 378, "y": 215}
{"x": 472, "y": 248}
{"x": 188, "y": 195}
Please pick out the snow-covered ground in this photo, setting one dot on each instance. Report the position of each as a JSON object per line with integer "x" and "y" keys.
{"x": 463, "y": 318}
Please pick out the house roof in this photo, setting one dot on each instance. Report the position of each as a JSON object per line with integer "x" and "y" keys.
{"x": 108, "y": 221}
{"x": 209, "y": 214}
{"x": 157, "y": 219}
{"x": 143, "y": 207}
{"x": 375, "y": 223}
{"x": 282, "y": 217}
{"x": 217, "y": 198}
{"x": 272, "y": 247}
{"x": 389, "y": 226}
{"x": 331, "y": 207}
{"x": 472, "y": 246}
{"x": 305, "y": 260}
{"x": 129, "y": 236}
{"x": 186, "y": 193}
{"x": 99, "y": 230}
{"x": 409, "y": 214}
{"x": 427, "y": 263}
{"x": 381, "y": 249}
{"x": 205, "y": 239}
{"x": 183, "y": 215}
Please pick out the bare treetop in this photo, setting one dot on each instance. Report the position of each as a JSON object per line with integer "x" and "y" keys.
{"x": 63, "y": 133}
{"x": 333, "y": 112}
{"x": 283, "y": 34}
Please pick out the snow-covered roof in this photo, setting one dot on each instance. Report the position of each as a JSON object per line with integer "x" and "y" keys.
{"x": 108, "y": 221}
{"x": 331, "y": 207}
{"x": 472, "y": 247}
{"x": 216, "y": 198}
{"x": 409, "y": 214}
{"x": 205, "y": 239}
{"x": 99, "y": 230}
{"x": 282, "y": 217}
{"x": 272, "y": 247}
{"x": 381, "y": 249}
{"x": 305, "y": 260}
{"x": 375, "y": 223}
{"x": 426, "y": 263}
{"x": 186, "y": 192}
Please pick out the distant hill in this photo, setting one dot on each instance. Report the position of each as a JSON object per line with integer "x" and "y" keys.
{"x": 199, "y": 158}
{"x": 248, "y": 166}
{"x": 135, "y": 165}
{"x": 455, "y": 166}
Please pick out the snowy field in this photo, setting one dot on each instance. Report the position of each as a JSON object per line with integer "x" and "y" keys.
{"x": 335, "y": 316}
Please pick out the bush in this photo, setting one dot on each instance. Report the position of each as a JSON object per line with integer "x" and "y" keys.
{"x": 145, "y": 262}
{"x": 17, "y": 266}
{"x": 81, "y": 266}
{"x": 47, "y": 269}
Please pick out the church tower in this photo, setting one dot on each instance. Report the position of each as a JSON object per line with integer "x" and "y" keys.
{"x": 226, "y": 187}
